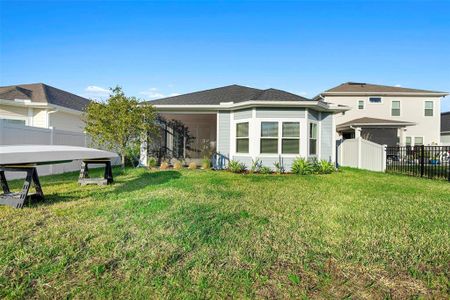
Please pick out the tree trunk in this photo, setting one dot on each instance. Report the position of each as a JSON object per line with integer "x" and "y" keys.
{"x": 122, "y": 156}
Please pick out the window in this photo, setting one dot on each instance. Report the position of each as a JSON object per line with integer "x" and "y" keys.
{"x": 14, "y": 121}
{"x": 395, "y": 110}
{"x": 428, "y": 108}
{"x": 408, "y": 141}
{"x": 269, "y": 137}
{"x": 290, "y": 142}
{"x": 418, "y": 141}
{"x": 361, "y": 104}
{"x": 312, "y": 139}
{"x": 242, "y": 137}
{"x": 375, "y": 99}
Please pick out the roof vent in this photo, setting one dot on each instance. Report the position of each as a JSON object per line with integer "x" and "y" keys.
{"x": 357, "y": 83}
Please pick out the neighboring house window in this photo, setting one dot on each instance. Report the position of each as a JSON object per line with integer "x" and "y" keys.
{"x": 375, "y": 99}
{"x": 361, "y": 104}
{"x": 14, "y": 121}
{"x": 428, "y": 108}
{"x": 290, "y": 142}
{"x": 418, "y": 141}
{"x": 269, "y": 137}
{"x": 395, "y": 110}
{"x": 242, "y": 138}
{"x": 408, "y": 141}
{"x": 312, "y": 138}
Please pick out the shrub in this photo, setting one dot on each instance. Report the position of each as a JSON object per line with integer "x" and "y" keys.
{"x": 206, "y": 163}
{"x": 265, "y": 170}
{"x": 192, "y": 166}
{"x": 256, "y": 166}
{"x": 301, "y": 166}
{"x": 177, "y": 165}
{"x": 151, "y": 162}
{"x": 325, "y": 167}
{"x": 164, "y": 166}
{"x": 278, "y": 167}
{"x": 236, "y": 166}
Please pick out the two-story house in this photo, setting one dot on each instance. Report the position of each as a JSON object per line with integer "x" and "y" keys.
{"x": 41, "y": 105}
{"x": 387, "y": 114}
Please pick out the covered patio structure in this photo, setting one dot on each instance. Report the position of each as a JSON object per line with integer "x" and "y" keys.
{"x": 380, "y": 131}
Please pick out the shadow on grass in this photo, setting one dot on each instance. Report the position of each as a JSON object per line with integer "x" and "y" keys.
{"x": 143, "y": 180}
{"x": 121, "y": 185}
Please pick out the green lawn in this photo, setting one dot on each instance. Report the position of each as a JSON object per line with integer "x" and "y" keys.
{"x": 206, "y": 234}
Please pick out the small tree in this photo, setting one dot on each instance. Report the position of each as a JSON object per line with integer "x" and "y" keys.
{"x": 120, "y": 122}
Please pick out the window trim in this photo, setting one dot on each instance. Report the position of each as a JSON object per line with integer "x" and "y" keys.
{"x": 410, "y": 140}
{"x": 425, "y": 108}
{"x": 290, "y": 137}
{"x": 423, "y": 143}
{"x": 316, "y": 139}
{"x": 242, "y": 137}
{"x": 363, "y": 104}
{"x": 376, "y": 103}
{"x": 269, "y": 138}
{"x": 399, "y": 108}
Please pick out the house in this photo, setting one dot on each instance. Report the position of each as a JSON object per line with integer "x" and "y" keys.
{"x": 386, "y": 114}
{"x": 445, "y": 128}
{"x": 245, "y": 124}
{"x": 41, "y": 105}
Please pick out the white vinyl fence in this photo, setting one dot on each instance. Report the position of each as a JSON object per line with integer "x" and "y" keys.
{"x": 18, "y": 134}
{"x": 362, "y": 154}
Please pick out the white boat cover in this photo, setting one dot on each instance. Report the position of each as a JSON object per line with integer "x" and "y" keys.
{"x": 45, "y": 154}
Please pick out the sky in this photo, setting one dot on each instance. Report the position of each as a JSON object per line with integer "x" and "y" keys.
{"x": 161, "y": 48}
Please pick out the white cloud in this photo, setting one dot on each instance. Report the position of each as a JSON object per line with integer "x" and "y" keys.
{"x": 398, "y": 85}
{"x": 96, "y": 92}
{"x": 93, "y": 89}
{"x": 155, "y": 93}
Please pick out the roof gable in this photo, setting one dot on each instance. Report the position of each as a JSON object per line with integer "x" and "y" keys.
{"x": 39, "y": 92}
{"x": 232, "y": 93}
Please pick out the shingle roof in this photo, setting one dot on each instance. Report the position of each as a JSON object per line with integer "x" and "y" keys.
{"x": 231, "y": 93}
{"x": 374, "y": 121}
{"x": 445, "y": 121}
{"x": 39, "y": 92}
{"x": 355, "y": 87}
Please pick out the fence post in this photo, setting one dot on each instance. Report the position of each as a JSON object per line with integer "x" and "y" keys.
{"x": 52, "y": 138}
{"x": 383, "y": 158}
{"x": 1, "y": 131}
{"x": 359, "y": 152}
{"x": 422, "y": 160}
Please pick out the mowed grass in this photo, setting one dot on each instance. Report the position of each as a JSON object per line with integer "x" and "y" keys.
{"x": 206, "y": 234}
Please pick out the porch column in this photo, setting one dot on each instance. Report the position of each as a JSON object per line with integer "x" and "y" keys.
{"x": 357, "y": 132}
{"x": 402, "y": 136}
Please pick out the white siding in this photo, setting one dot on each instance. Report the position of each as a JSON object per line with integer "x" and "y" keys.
{"x": 411, "y": 110}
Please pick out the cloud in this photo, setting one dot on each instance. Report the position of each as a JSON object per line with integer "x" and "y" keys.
{"x": 96, "y": 92}
{"x": 398, "y": 85}
{"x": 155, "y": 93}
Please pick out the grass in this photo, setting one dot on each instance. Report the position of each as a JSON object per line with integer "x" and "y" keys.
{"x": 205, "y": 234}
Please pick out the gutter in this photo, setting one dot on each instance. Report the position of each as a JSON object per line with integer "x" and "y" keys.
{"x": 41, "y": 105}
{"x": 319, "y": 105}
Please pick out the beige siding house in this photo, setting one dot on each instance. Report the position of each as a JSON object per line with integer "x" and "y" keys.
{"x": 41, "y": 105}
{"x": 387, "y": 114}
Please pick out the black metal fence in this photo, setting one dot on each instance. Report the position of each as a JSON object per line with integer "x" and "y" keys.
{"x": 421, "y": 161}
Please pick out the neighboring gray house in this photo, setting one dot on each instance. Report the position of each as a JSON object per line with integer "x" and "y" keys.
{"x": 445, "y": 128}
{"x": 244, "y": 123}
